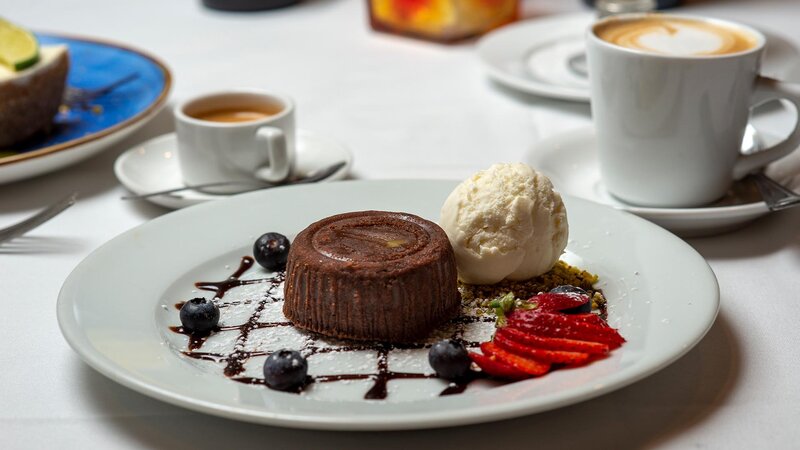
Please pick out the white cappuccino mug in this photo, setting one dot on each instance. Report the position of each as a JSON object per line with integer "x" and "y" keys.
{"x": 235, "y": 136}
{"x": 671, "y": 96}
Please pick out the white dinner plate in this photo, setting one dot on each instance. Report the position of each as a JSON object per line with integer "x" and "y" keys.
{"x": 116, "y": 306}
{"x": 569, "y": 159}
{"x": 152, "y": 166}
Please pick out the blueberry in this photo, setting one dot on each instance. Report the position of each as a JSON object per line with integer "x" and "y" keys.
{"x": 569, "y": 289}
{"x": 449, "y": 359}
{"x": 199, "y": 315}
{"x": 285, "y": 370}
{"x": 271, "y": 250}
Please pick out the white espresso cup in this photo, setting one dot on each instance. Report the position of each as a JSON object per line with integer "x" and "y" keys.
{"x": 241, "y": 136}
{"x": 671, "y": 96}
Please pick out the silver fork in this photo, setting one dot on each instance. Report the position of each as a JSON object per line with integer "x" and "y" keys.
{"x": 37, "y": 219}
{"x": 776, "y": 196}
{"x": 73, "y": 95}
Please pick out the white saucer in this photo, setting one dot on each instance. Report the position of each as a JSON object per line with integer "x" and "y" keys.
{"x": 152, "y": 166}
{"x": 569, "y": 159}
{"x": 533, "y": 56}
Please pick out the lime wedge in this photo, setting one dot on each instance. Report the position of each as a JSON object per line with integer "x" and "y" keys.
{"x": 19, "y": 48}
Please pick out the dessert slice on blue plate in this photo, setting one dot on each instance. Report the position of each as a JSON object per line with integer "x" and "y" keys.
{"x": 32, "y": 80}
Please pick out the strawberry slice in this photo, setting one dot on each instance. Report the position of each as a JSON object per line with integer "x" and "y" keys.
{"x": 524, "y": 364}
{"x": 551, "y": 356}
{"x": 550, "y": 301}
{"x": 551, "y": 343}
{"x": 564, "y": 326}
{"x": 577, "y": 332}
{"x": 559, "y": 318}
{"x": 590, "y": 318}
{"x": 496, "y": 368}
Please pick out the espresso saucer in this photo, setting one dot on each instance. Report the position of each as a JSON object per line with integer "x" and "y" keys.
{"x": 570, "y": 160}
{"x": 153, "y": 166}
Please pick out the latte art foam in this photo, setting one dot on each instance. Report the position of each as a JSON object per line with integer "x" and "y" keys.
{"x": 675, "y": 36}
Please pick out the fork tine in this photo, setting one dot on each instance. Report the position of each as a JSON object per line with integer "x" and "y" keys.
{"x": 37, "y": 219}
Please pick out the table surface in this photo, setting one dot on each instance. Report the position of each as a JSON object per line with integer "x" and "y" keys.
{"x": 408, "y": 109}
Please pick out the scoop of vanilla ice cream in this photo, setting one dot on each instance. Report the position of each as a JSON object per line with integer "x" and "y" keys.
{"x": 505, "y": 222}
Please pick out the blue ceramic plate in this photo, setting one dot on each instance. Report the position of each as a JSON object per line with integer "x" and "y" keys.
{"x": 84, "y": 128}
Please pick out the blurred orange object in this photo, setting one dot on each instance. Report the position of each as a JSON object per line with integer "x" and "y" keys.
{"x": 441, "y": 20}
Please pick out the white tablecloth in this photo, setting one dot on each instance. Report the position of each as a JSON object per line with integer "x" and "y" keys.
{"x": 407, "y": 109}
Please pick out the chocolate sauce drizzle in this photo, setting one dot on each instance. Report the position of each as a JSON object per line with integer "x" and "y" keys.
{"x": 234, "y": 362}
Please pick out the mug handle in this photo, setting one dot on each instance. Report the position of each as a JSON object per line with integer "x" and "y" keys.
{"x": 274, "y": 141}
{"x": 767, "y": 89}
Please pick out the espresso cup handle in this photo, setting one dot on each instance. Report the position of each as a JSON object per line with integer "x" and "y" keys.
{"x": 770, "y": 89}
{"x": 273, "y": 140}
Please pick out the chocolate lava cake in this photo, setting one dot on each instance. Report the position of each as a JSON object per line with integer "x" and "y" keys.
{"x": 371, "y": 275}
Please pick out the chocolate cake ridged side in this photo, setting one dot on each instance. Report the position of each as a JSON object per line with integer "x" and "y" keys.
{"x": 399, "y": 310}
{"x": 394, "y": 300}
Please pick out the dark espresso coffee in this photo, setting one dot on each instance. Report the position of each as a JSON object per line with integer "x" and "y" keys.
{"x": 231, "y": 115}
